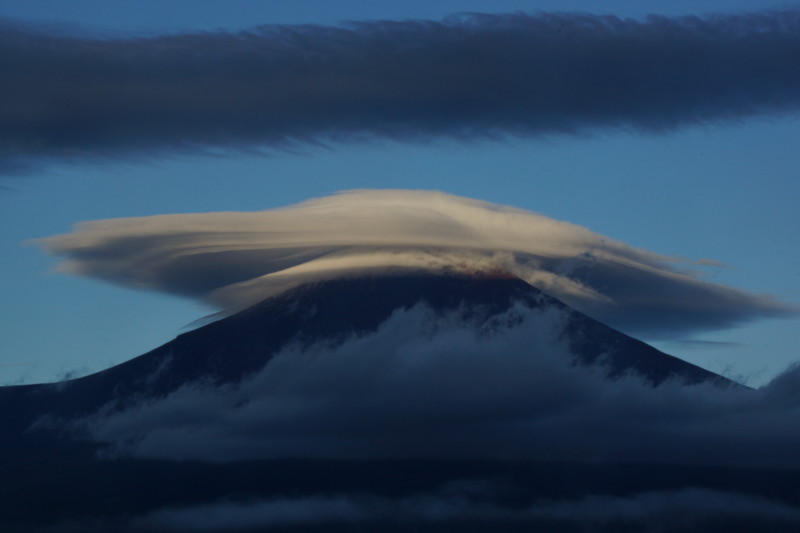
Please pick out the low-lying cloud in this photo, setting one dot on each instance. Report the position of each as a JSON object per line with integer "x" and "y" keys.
{"x": 81, "y": 97}
{"x": 442, "y": 387}
{"x": 656, "y": 511}
{"x": 235, "y": 259}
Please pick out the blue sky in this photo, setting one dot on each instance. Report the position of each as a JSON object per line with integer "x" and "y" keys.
{"x": 725, "y": 191}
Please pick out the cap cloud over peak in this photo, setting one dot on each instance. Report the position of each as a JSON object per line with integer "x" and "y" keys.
{"x": 235, "y": 259}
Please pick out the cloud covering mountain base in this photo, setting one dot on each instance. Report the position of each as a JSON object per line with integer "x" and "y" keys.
{"x": 454, "y": 386}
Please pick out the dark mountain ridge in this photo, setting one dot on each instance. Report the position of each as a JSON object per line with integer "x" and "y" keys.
{"x": 332, "y": 311}
{"x": 61, "y": 484}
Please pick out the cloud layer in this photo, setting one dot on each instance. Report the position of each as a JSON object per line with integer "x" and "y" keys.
{"x": 235, "y": 259}
{"x": 661, "y": 511}
{"x": 435, "y": 386}
{"x": 469, "y": 76}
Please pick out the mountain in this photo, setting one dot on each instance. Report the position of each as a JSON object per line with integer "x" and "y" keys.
{"x": 364, "y": 402}
{"x": 234, "y": 347}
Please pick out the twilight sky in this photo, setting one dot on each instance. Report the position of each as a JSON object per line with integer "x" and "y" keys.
{"x": 669, "y": 137}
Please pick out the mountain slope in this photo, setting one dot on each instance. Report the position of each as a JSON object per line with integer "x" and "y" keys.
{"x": 397, "y": 402}
{"x": 333, "y": 311}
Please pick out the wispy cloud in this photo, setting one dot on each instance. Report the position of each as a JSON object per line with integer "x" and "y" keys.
{"x": 67, "y": 96}
{"x": 235, "y": 259}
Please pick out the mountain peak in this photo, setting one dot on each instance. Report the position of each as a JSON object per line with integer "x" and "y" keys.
{"x": 333, "y": 311}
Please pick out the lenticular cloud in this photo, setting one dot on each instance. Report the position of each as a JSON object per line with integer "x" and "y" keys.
{"x": 235, "y": 259}
{"x": 471, "y": 76}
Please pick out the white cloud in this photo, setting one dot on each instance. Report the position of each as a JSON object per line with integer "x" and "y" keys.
{"x": 234, "y": 259}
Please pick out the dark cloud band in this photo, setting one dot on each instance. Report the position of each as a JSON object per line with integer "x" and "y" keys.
{"x": 667, "y": 511}
{"x": 470, "y": 76}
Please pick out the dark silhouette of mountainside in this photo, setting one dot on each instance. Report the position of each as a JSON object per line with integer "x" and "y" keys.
{"x": 234, "y": 347}
{"x": 58, "y": 479}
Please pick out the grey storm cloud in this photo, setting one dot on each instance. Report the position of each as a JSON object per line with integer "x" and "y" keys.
{"x": 236, "y": 259}
{"x": 76, "y": 97}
